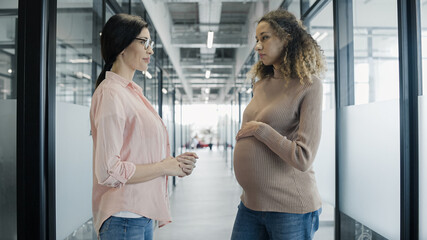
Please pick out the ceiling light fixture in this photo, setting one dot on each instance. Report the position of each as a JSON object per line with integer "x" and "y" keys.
{"x": 147, "y": 74}
{"x": 164, "y": 91}
{"x": 82, "y": 75}
{"x": 207, "y": 90}
{"x": 316, "y": 35}
{"x": 81, "y": 60}
{"x": 208, "y": 74}
{"x": 210, "y": 39}
{"x": 321, "y": 37}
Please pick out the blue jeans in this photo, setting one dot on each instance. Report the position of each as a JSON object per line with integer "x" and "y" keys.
{"x": 256, "y": 225}
{"x": 117, "y": 228}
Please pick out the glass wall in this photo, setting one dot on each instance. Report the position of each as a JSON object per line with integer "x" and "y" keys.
{"x": 376, "y": 65}
{"x": 321, "y": 29}
{"x": 78, "y": 63}
{"x": 422, "y": 106}
{"x": 8, "y": 109}
{"x": 369, "y": 167}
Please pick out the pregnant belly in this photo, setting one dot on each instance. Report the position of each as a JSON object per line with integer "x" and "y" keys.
{"x": 251, "y": 159}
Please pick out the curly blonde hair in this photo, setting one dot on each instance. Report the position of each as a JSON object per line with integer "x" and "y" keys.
{"x": 302, "y": 57}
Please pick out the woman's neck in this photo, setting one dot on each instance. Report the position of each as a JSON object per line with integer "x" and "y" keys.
{"x": 277, "y": 72}
{"x": 122, "y": 70}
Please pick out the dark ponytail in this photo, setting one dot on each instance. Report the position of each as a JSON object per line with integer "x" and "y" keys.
{"x": 119, "y": 31}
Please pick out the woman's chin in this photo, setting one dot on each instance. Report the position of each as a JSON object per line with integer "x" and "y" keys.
{"x": 266, "y": 63}
{"x": 143, "y": 69}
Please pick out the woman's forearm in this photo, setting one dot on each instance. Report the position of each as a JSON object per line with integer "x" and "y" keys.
{"x": 147, "y": 172}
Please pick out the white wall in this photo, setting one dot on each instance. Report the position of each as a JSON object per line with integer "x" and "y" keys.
{"x": 73, "y": 168}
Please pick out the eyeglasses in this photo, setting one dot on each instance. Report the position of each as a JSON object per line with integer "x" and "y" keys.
{"x": 147, "y": 42}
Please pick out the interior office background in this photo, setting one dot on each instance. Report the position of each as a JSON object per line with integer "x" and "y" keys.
{"x": 371, "y": 165}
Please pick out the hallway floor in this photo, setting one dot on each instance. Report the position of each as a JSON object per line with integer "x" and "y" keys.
{"x": 204, "y": 204}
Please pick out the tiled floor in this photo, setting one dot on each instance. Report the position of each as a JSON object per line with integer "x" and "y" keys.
{"x": 204, "y": 204}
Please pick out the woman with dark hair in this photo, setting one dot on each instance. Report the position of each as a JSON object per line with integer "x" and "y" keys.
{"x": 131, "y": 155}
{"x": 280, "y": 134}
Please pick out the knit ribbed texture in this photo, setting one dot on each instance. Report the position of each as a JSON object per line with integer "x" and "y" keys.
{"x": 274, "y": 167}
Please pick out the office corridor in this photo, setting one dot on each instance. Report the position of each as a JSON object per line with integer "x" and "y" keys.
{"x": 204, "y": 204}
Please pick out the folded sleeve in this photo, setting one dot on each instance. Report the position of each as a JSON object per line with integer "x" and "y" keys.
{"x": 109, "y": 121}
{"x": 300, "y": 151}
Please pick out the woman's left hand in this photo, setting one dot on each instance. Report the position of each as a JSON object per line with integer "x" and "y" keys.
{"x": 248, "y": 130}
{"x": 187, "y": 161}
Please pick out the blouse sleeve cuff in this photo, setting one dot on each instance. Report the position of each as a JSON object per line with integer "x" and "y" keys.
{"x": 119, "y": 174}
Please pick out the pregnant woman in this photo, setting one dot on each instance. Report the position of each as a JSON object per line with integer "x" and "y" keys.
{"x": 280, "y": 134}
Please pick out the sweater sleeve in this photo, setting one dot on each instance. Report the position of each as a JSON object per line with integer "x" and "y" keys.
{"x": 300, "y": 151}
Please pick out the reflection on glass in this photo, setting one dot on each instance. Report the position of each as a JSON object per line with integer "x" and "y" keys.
{"x": 8, "y": 96}
{"x": 376, "y": 65}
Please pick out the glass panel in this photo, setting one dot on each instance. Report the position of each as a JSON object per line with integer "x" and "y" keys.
{"x": 306, "y": 4}
{"x": 8, "y": 96}
{"x": 74, "y": 52}
{"x": 321, "y": 29}
{"x": 137, "y": 8}
{"x": 124, "y": 4}
{"x": 108, "y": 12}
{"x": 78, "y": 63}
{"x": 376, "y": 65}
{"x": 370, "y": 147}
{"x": 422, "y": 106}
{"x": 293, "y": 6}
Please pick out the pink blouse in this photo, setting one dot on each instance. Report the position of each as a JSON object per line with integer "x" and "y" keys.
{"x": 126, "y": 130}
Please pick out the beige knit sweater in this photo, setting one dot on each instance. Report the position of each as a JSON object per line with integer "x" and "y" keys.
{"x": 274, "y": 167}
